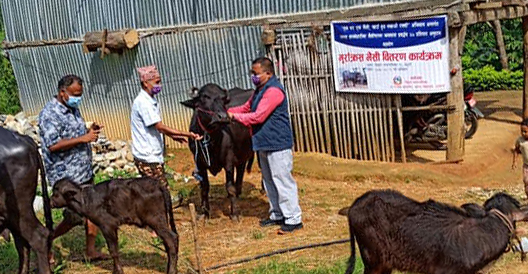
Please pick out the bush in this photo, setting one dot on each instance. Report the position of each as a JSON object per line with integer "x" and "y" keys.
{"x": 9, "y": 102}
{"x": 487, "y": 78}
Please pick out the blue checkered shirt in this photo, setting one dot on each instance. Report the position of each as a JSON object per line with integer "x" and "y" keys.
{"x": 57, "y": 122}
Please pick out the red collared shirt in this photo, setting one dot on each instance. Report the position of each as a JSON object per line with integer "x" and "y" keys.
{"x": 271, "y": 99}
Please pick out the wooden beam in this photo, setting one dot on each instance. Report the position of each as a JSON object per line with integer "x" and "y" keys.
{"x": 455, "y": 119}
{"x": 488, "y": 5}
{"x": 433, "y": 107}
{"x": 478, "y": 16}
{"x": 525, "y": 55}
{"x": 513, "y": 3}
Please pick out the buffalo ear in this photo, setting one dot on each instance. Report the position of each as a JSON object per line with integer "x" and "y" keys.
{"x": 191, "y": 103}
{"x": 193, "y": 92}
{"x": 521, "y": 215}
{"x": 227, "y": 99}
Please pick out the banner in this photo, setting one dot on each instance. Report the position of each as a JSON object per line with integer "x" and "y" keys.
{"x": 409, "y": 56}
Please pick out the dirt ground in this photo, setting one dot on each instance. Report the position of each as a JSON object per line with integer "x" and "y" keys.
{"x": 327, "y": 184}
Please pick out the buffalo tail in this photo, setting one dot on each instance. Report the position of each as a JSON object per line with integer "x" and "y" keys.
{"x": 250, "y": 163}
{"x": 45, "y": 195}
{"x": 352, "y": 259}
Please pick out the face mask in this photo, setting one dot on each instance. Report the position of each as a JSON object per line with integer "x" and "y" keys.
{"x": 74, "y": 101}
{"x": 155, "y": 89}
{"x": 255, "y": 79}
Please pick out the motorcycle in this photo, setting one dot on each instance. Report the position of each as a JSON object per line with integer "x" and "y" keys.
{"x": 431, "y": 126}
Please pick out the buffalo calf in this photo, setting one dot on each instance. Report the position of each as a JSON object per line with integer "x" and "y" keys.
{"x": 141, "y": 202}
{"x": 395, "y": 232}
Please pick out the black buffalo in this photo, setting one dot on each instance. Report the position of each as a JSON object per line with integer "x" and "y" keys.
{"x": 110, "y": 204}
{"x": 20, "y": 163}
{"x": 395, "y": 232}
{"x": 226, "y": 144}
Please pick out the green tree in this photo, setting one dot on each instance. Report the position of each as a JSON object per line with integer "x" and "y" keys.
{"x": 480, "y": 47}
{"x": 9, "y": 101}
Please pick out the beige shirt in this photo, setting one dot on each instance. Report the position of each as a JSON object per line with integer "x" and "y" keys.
{"x": 522, "y": 144}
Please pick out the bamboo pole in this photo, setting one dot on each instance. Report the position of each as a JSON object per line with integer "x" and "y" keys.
{"x": 382, "y": 124}
{"x": 354, "y": 121}
{"x": 324, "y": 115}
{"x": 195, "y": 235}
{"x": 400, "y": 127}
{"x": 317, "y": 103}
{"x": 375, "y": 131}
{"x": 369, "y": 129}
{"x": 339, "y": 141}
{"x": 334, "y": 100}
{"x": 299, "y": 140}
{"x": 364, "y": 130}
{"x": 298, "y": 84}
{"x": 301, "y": 91}
{"x": 327, "y": 88}
{"x": 348, "y": 128}
{"x": 313, "y": 104}
{"x": 391, "y": 128}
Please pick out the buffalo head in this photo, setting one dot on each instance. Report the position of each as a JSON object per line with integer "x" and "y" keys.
{"x": 65, "y": 193}
{"x": 507, "y": 205}
{"x": 209, "y": 104}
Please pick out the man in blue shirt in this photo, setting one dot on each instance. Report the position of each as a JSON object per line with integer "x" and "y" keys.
{"x": 67, "y": 152}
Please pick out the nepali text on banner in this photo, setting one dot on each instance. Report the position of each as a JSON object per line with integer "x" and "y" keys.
{"x": 409, "y": 56}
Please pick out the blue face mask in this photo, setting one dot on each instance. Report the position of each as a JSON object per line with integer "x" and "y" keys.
{"x": 74, "y": 101}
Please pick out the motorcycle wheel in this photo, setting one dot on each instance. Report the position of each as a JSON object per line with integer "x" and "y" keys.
{"x": 471, "y": 124}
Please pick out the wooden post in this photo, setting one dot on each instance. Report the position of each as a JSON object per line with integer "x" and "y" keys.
{"x": 462, "y": 39}
{"x": 195, "y": 234}
{"x": 525, "y": 54}
{"x": 455, "y": 118}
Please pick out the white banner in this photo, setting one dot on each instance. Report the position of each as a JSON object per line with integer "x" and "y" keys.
{"x": 409, "y": 56}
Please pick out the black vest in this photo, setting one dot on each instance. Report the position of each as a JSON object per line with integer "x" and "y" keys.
{"x": 275, "y": 132}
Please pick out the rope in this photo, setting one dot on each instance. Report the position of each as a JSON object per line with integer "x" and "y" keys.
{"x": 203, "y": 146}
{"x": 511, "y": 228}
{"x": 280, "y": 251}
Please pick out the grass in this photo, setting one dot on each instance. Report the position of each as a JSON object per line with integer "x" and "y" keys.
{"x": 257, "y": 234}
{"x": 8, "y": 257}
{"x": 300, "y": 266}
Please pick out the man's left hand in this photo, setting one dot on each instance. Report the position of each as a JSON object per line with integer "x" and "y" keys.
{"x": 230, "y": 115}
{"x": 96, "y": 126}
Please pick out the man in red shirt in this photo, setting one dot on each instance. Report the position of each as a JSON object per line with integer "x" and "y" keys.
{"x": 267, "y": 113}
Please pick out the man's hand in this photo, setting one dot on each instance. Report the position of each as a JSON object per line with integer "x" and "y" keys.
{"x": 230, "y": 115}
{"x": 96, "y": 126}
{"x": 196, "y": 137}
{"x": 91, "y": 136}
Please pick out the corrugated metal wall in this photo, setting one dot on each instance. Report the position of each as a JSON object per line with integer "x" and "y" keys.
{"x": 186, "y": 59}
{"x": 111, "y": 84}
{"x": 30, "y": 20}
